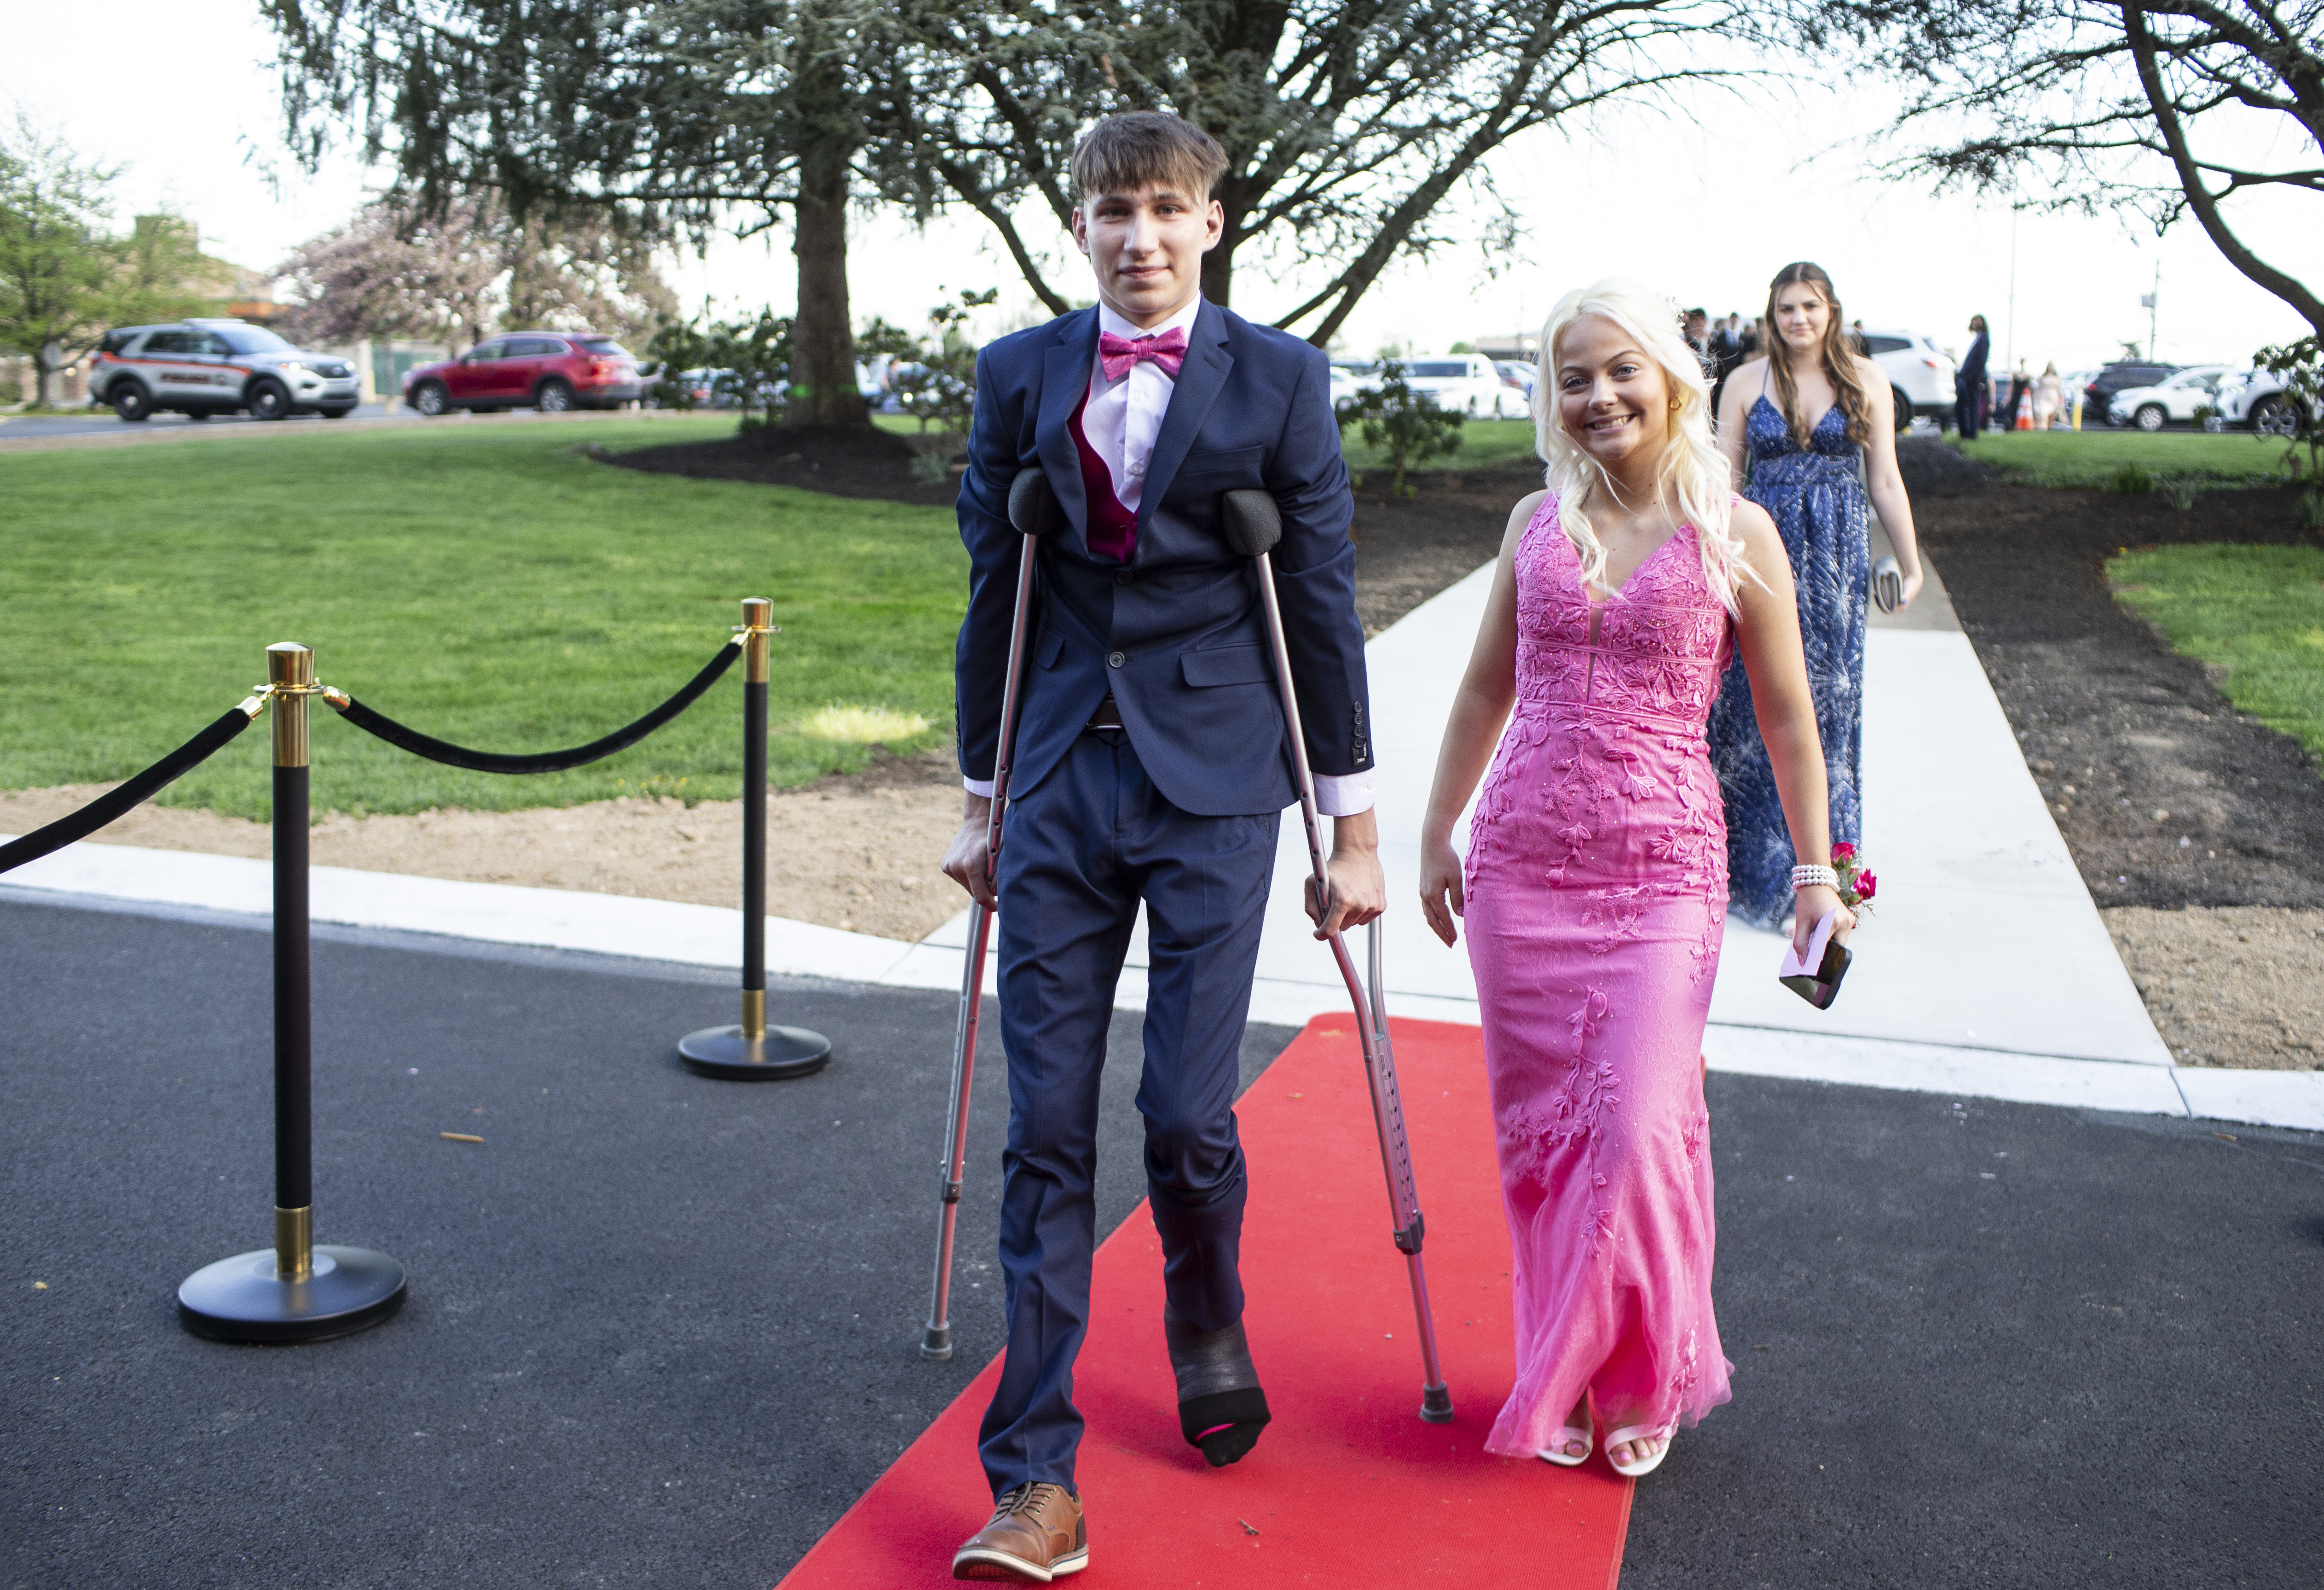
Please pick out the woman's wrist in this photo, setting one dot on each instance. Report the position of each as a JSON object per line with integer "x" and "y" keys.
{"x": 1814, "y": 875}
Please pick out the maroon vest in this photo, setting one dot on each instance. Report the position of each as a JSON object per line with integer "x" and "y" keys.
{"x": 1113, "y": 528}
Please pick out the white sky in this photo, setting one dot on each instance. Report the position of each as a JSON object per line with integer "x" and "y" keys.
{"x": 182, "y": 93}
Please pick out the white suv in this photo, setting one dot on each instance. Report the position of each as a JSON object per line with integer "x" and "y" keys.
{"x": 204, "y": 367}
{"x": 1468, "y": 383}
{"x": 1920, "y": 376}
{"x": 2175, "y": 397}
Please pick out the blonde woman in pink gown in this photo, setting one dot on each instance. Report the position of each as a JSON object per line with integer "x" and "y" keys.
{"x": 1595, "y": 887}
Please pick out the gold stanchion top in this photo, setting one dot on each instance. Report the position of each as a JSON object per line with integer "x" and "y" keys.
{"x": 290, "y": 666}
{"x": 757, "y": 612}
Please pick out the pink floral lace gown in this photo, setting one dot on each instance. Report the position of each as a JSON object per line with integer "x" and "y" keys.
{"x": 1595, "y": 886}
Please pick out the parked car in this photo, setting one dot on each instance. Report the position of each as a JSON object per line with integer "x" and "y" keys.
{"x": 1518, "y": 374}
{"x": 2257, "y": 398}
{"x": 550, "y": 370}
{"x": 1469, "y": 382}
{"x": 2097, "y": 393}
{"x": 1351, "y": 378}
{"x": 2175, "y": 397}
{"x": 198, "y": 368}
{"x": 1920, "y": 375}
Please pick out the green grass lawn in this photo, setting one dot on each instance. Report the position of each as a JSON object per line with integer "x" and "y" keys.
{"x": 2091, "y": 457}
{"x": 2257, "y": 611}
{"x": 1484, "y": 443}
{"x": 479, "y": 581}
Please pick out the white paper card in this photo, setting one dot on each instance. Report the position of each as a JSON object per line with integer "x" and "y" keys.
{"x": 1791, "y": 967}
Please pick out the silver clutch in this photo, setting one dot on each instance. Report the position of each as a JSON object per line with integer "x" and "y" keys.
{"x": 1887, "y": 586}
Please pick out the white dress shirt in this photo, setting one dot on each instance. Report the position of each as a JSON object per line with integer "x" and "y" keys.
{"x": 1122, "y": 422}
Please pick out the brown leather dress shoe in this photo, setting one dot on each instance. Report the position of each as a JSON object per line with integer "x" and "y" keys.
{"x": 1036, "y": 1533}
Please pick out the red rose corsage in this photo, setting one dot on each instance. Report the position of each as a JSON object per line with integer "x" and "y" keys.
{"x": 1857, "y": 883}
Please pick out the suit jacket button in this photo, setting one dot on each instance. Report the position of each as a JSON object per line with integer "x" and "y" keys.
{"x": 1114, "y": 659}
{"x": 1122, "y": 576}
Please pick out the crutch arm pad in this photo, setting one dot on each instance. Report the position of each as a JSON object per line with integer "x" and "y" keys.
{"x": 1033, "y": 504}
{"x": 1251, "y": 521}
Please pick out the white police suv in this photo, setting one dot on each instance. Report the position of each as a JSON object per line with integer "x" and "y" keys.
{"x": 198, "y": 368}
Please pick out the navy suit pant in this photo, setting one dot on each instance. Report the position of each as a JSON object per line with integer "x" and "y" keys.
{"x": 1079, "y": 851}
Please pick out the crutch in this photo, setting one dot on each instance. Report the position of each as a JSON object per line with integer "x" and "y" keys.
{"x": 1033, "y": 513}
{"x": 1253, "y": 524}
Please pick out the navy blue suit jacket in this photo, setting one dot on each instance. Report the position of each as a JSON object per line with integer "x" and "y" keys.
{"x": 1177, "y": 634}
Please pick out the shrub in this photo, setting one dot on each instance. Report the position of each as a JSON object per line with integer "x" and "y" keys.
{"x": 2311, "y": 509}
{"x": 2130, "y": 479}
{"x": 2178, "y": 491}
{"x": 1406, "y": 425}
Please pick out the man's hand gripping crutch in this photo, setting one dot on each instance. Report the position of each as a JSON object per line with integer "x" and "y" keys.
{"x": 1253, "y": 524}
{"x": 1033, "y": 513}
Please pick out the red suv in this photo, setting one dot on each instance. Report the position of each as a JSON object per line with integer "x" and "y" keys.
{"x": 550, "y": 370}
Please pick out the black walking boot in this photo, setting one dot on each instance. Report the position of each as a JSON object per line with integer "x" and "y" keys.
{"x": 1220, "y": 1407}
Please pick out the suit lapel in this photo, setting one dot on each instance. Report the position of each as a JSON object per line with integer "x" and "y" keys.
{"x": 1200, "y": 380}
{"x": 1065, "y": 380}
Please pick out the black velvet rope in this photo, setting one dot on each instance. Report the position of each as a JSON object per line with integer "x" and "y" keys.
{"x": 103, "y": 809}
{"x": 439, "y": 750}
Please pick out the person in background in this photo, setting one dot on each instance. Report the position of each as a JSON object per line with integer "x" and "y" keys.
{"x": 1748, "y": 342}
{"x": 1727, "y": 352}
{"x": 1856, "y": 342}
{"x": 1809, "y": 427}
{"x": 2020, "y": 383}
{"x": 2049, "y": 398}
{"x": 1698, "y": 337}
{"x": 1968, "y": 382}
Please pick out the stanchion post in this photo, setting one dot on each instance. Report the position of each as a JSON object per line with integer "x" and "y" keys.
{"x": 293, "y": 1292}
{"x": 751, "y": 1050}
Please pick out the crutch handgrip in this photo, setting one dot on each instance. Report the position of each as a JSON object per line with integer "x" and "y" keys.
{"x": 1033, "y": 508}
{"x": 1251, "y": 520}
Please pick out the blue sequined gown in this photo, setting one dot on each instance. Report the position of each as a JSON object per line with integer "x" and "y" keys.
{"x": 1816, "y": 498}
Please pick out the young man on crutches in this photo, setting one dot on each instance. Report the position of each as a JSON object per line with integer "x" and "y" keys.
{"x": 1148, "y": 765}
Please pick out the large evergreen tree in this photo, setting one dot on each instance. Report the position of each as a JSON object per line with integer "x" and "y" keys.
{"x": 685, "y": 115}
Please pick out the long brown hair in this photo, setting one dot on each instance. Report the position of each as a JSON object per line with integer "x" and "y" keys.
{"x": 1838, "y": 359}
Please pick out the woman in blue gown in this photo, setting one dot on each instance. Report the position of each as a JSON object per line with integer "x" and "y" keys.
{"x": 1811, "y": 425}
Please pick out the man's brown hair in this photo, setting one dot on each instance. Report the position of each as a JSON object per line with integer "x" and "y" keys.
{"x": 1143, "y": 149}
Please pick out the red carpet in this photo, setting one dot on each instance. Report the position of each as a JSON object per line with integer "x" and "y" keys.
{"x": 1347, "y": 1488}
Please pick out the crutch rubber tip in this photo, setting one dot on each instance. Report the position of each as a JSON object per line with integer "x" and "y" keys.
{"x": 1437, "y": 1404}
{"x": 936, "y": 1342}
{"x": 1251, "y": 520}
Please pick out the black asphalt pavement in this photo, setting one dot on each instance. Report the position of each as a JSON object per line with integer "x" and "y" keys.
{"x": 1987, "y": 1343}
{"x": 663, "y": 1331}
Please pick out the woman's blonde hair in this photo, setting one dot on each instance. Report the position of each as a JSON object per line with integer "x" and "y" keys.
{"x": 1692, "y": 473}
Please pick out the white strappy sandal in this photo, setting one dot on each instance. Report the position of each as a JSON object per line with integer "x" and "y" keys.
{"x": 1636, "y": 1432}
{"x": 1556, "y": 1451}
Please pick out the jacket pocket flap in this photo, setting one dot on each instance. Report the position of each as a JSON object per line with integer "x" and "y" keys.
{"x": 1225, "y": 665}
{"x": 1049, "y": 648}
{"x": 1233, "y": 461}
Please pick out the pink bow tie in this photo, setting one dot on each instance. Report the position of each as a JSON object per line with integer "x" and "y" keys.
{"x": 1118, "y": 355}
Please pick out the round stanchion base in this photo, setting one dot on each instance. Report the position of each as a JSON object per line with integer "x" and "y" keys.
{"x": 936, "y": 1342}
{"x": 783, "y": 1053}
{"x": 1437, "y": 1404}
{"x": 243, "y": 1299}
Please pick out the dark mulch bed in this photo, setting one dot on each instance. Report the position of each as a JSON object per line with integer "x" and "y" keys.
{"x": 845, "y": 460}
{"x": 1408, "y": 549}
{"x": 2115, "y": 726}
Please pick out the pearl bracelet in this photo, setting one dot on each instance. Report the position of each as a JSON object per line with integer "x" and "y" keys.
{"x": 1806, "y": 878}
